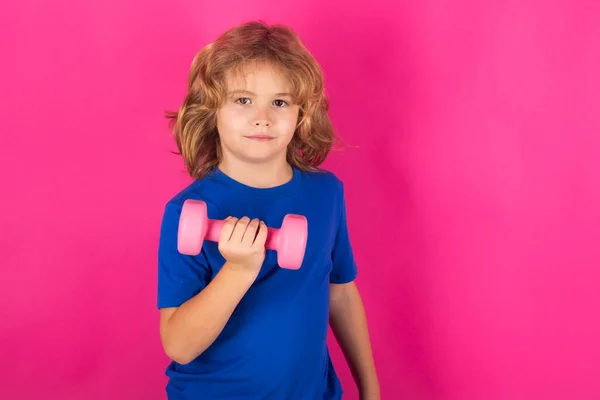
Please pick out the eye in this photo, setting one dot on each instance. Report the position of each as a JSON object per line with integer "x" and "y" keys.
{"x": 280, "y": 103}
{"x": 243, "y": 100}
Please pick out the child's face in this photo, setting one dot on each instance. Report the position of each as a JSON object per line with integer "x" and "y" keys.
{"x": 257, "y": 119}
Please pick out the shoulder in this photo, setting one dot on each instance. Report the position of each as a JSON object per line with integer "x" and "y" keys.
{"x": 207, "y": 189}
{"x": 325, "y": 179}
{"x": 176, "y": 201}
{"x": 192, "y": 191}
{"x": 196, "y": 190}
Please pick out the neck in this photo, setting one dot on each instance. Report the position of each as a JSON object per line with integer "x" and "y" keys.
{"x": 256, "y": 175}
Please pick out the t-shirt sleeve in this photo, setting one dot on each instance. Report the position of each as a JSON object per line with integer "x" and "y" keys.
{"x": 344, "y": 266}
{"x": 180, "y": 276}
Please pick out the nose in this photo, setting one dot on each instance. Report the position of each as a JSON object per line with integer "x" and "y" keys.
{"x": 262, "y": 118}
{"x": 262, "y": 123}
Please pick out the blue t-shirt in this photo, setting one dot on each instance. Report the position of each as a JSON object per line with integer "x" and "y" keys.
{"x": 274, "y": 345}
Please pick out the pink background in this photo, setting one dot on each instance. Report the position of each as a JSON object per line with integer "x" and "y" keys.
{"x": 473, "y": 186}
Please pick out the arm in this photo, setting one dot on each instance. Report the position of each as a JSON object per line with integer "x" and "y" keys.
{"x": 349, "y": 326}
{"x": 186, "y": 331}
{"x": 194, "y": 308}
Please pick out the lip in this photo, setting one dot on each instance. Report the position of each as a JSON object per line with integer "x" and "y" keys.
{"x": 260, "y": 138}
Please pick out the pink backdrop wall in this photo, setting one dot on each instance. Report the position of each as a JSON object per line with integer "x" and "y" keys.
{"x": 473, "y": 191}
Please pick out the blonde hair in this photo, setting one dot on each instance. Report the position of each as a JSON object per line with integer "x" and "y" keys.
{"x": 194, "y": 125}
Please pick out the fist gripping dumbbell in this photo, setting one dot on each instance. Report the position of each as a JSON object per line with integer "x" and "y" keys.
{"x": 194, "y": 227}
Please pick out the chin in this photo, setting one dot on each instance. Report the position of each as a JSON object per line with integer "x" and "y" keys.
{"x": 261, "y": 152}
{"x": 261, "y": 158}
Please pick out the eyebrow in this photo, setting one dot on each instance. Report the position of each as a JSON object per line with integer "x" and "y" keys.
{"x": 254, "y": 94}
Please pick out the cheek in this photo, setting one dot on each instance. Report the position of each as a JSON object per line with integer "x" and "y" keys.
{"x": 231, "y": 122}
{"x": 290, "y": 121}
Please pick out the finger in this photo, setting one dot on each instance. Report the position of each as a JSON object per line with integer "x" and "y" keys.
{"x": 239, "y": 230}
{"x": 250, "y": 233}
{"x": 227, "y": 229}
{"x": 261, "y": 236}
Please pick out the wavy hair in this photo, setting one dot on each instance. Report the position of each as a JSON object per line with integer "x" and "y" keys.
{"x": 194, "y": 125}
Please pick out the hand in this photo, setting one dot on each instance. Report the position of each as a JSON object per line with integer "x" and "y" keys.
{"x": 242, "y": 244}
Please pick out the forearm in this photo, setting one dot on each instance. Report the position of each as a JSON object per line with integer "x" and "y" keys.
{"x": 195, "y": 325}
{"x": 349, "y": 325}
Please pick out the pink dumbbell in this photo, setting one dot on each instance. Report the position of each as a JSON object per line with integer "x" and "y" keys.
{"x": 194, "y": 227}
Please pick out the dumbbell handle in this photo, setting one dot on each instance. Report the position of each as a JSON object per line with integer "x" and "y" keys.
{"x": 213, "y": 233}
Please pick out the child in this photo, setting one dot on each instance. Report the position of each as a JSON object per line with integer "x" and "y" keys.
{"x": 252, "y": 130}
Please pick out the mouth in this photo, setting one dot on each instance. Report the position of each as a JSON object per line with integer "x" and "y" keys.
{"x": 260, "y": 138}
